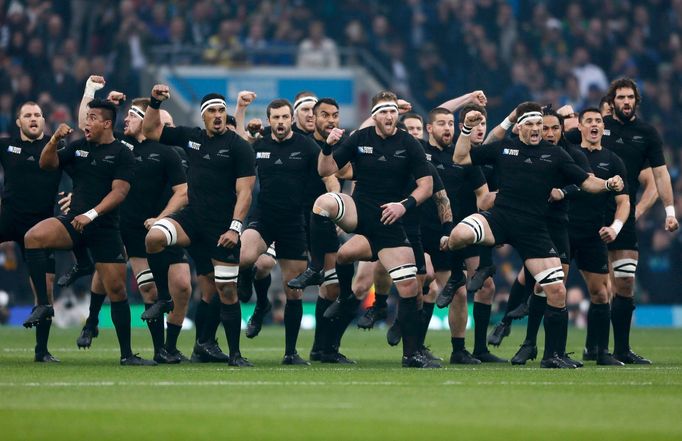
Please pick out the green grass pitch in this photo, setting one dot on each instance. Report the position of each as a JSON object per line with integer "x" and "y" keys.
{"x": 89, "y": 397}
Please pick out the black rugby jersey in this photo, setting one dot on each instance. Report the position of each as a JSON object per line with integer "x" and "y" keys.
{"x": 27, "y": 188}
{"x": 527, "y": 174}
{"x": 381, "y": 167}
{"x": 316, "y": 187}
{"x": 92, "y": 168}
{"x": 587, "y": 210}
{"x": 427, "y": 211}
{"x": 156, "y": 168}
{"x": 284, "y": 170}
{"x": 215, "y": 163}
{"x": 558, "y": 211}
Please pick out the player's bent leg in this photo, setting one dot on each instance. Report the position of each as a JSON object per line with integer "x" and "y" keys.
{"x": 357, "y": 248}
{"x": 97, "y": 297}
{"x": 483, "y": 299}
{"x": 179, "y": 279}
{"x": 472, "y": 230}
{"x": 252, "y": 247}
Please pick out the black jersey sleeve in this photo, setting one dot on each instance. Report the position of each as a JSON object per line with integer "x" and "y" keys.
{"x": 173, "y": 165}
{"x": 179, "y": 136}
{"x": 569, "y": 169}
{"x": 245, "y": 158}
{"x": 437, "y": 181}
{"x": 125, "y": 164}
{"x": 418, "y": 164}
{"x": 485, "y": 154}
{"x": 619, "y": 169}
{"x": 579, "y": 157}
{"x": 654, "y": 151}
{"x": 476, "y": 177}
{"x": 573, "y": 136}
{"x": 346, "y": 152}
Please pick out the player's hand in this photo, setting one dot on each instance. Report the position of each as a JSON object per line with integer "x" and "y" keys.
{"x": 607, "y": 234}
{"x": 161, "y": 92}
{"x": 95, "y": 82}
{"x": 444, "y": 243}
{"x": 615, "y": 183}
{"x": 473, "y": 119}
{"x": 334, "y": 136}
{"x": 245, "y": 97}
{"x": 556, "y": 195}
{"x": 228, "y": 239}
{"x": 65, "y": 202}
{"x": 512, "y": 116}
{"x": 254, "y": 128}
{"x": 116, "y": 97}
{"x": 80, "y": 222}
{"x": 62, "y": 132}
{"x": 149, "y": 222}
{"x": 392, "y": 212}
{"x": 478, "y": 97}
{"x": 671, "y": 223}
{"x": 404, "y": 106}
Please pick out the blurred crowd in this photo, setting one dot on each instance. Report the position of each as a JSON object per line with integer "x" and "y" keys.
{"x": 559, "y": 52}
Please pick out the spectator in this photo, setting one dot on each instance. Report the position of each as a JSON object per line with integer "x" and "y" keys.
{"x": 317, "y": 51}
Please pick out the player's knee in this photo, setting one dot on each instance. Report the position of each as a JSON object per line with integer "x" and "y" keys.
{"x": 331, "y": 206}
{"x": 599, "y": 296}
{"x": 35, "y": 237}
{"x": 461, "y": 236}
{"x": 344, "y": 256}
{"x": 154, "y": 241}
{"x": 116, "y": 291}
{"x": 228, "y": 293}
{"x": 405, "y": 279}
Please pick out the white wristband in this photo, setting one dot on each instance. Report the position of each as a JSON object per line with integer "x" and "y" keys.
{"x": 236, "y": 225}
{"x": 617, "y": 225}
{"x": 606, "y": 185}
{"x": 91, "y": 214}
{"x": 466, "y": 131}
{"x": 670, "y": 211}
{"x": 506, "y": 124}
{"x": 91, "y": 87}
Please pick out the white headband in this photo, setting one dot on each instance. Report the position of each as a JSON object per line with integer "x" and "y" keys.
{"x": 136, "y": 111}
{"x": 213, "y": 102}
{"x": 306, "y": 99}
{"x": 384, "y": 106}
{"x": 529, "y": 115}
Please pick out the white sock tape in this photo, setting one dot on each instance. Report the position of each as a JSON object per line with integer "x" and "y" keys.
{"x": 144, "y": 277}
{"x": 271, "y": 251}
{"x": 168, "y": 229}
{"x": 623, "y": 268}
{"x": 330, "y": 278}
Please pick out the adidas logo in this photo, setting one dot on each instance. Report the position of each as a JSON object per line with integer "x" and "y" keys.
{"x": 207, "y": 156}
{"x": 552, "y": 251}
{"x": 620, "y": 141}
{"x": 279, "y": 162}
{"x": 31, "y": 158}
{"x": 528, "y": 161}
{"x": 382, "y": 158}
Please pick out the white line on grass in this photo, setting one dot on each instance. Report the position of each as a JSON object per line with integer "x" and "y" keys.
{"x": 197, "y": 383}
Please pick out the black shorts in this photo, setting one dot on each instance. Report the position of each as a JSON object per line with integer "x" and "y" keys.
{"x": 590, "y": 253}
{"x": 380, "y": 236}
{"x": 627, "y": 238}
{"x": 204, "y": 234}
{"x": 133, "y": 240}
{"x": 13, "y": 228}
{"x": 103, "y": 241}
{"x": 441, "y": 260}
{"x": 558, "y": 232}
{"x": 414, "y": 236}
{"x": 530, "y": 237}
{"x": 330, "y": 240}
{"x": 289, "y": 234}
{"x": 202, "y": 260}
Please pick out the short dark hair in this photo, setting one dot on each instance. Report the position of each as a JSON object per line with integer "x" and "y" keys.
{"x": 619, "y": 84}
{"x": 527, "y": 106}
{"x": 588, "y": 110}
{"x": 212, "y": 96}
{"x": 27, "y": 103}
{"x": 231, "y": 120}
{"x": 412, "y": 115}
{"x": 604, "y": 99}
{"x": 470, "y": 107}
{"x": 277, "y": 104}
{"x": 384, "y": 95}
{"x": 142, "y": 103}
{"x": 438, "y": 111}
{"x": 107, "y": 107}
{"x": 328, "y": 101}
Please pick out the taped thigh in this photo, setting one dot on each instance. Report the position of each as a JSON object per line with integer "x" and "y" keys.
{"x": 340, "y": 206}
{"x": 476, "y": 226}
{"x": 225, "y": 274}
{"x": 144, "y": 277}
{"x": 403, "y": 272}
{"x": 550, "y": 276}
{"x": 168, "y": 230}
{"x": 330, "y": 278}
{"x": 623, "y": 268}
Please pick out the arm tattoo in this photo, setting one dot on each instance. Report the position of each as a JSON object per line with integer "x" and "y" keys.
{"x": 443, "y": 204}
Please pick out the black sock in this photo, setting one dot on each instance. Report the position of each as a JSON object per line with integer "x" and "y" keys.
{"x": 485, "y": 257}
{"x": 516, "y": 295}
{"x": 601, "y": 324}
{"x": 621, "y": 317}
{"x": 536, "y": 310}
{"x": 408, "y": 317}
{"x": 36, "y": 260}
{"x": 96, "y": 301}
{"x": 481, "y": 321}
{"x": 340, "y": 325}
{"x": 159, "y": 264}
{"x": 82, "y": 256}
{"x": 156, "y": 331}
{"x": 590, "y": 337}
{"x": 293, "y": 312}
{"x": 562, "y": 337}
{"x": 42, "y": 335}
{"x": 200, "y": 318}
{"x": 322, "y": 325}
{"x": 231, "y": 317}
{"x": 457, "y": 343}
{"x": 262, "y": 286}
{"x": 553, "y": 322}
{"x": 172, "y": 334}
{"x": 120, "y": 316}
{"x": 320, "y": 227}
{"x": 380, "y": 300}
{"x": 427, "y": 313}
{"x": 345, "y": 272}
{"x": 212, "y": 320}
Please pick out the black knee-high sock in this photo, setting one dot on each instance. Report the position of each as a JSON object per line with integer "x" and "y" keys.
{"x": 427, "y": 313}
{"x": 322, "y": 325}
{"x": 591, "y": 336}
{"x": 82, "y": 256}
{"x": 344, "y": 272}
{"x": 536, "y": 310}
{"x": 200, "y": 319}
{"x": 212, "y": 320}
{"x": 293, "y": 312}
{"x": 231, "y": 317}
{"x": 319, "y": 230}
{"x": 42, "y": 335}
{"x": 96, "y": 301}
{"x": 408, "y": 317}
{"x": 516, "y": 296}
{"x": 159, "y": 264}
{"x": 36, "y": 260}
{"x": 485, "y": 257}
{"x": 601, "y": 324}
{"x": 172, "y": 334}
{"x": 553, "y": 322}
{"x": 120, "y": 316}
{"x": 380, "y": 300}
{"x": 562, "y": 338}
{"x": 262, "y": 286}
{"x": 481, "y": 321}
{"x": 457, "y": 344}
{"x": 340, "y": 325}
{"x": 621, "y": 317}
{"x": 156, "y": 331}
